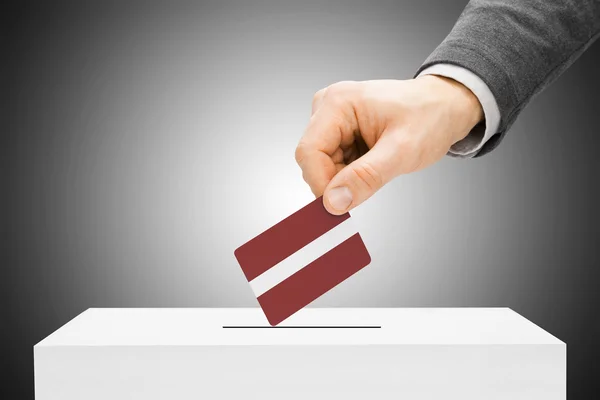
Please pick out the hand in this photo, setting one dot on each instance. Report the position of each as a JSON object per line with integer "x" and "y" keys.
{"x": 361, "y": 135}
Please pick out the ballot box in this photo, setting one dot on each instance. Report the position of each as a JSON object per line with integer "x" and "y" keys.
{"x": 337, "y": 353}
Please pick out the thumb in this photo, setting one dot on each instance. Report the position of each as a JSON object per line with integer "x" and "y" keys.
{"x": 362, "y": 178}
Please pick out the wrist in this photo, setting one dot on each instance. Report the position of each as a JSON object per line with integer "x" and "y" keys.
{"x": 465, "y": 108}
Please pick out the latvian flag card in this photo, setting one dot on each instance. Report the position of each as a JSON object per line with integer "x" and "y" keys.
{"x": 301, "y": 258}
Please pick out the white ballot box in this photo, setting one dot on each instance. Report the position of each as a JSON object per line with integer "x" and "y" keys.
{"x": 337, "y": 353}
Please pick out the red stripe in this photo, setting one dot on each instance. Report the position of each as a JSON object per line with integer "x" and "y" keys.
{"x": 285, "y": 238}
{"x": 314, "y": 280}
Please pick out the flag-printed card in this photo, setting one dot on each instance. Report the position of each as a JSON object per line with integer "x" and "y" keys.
{"x": 301, "y": 258}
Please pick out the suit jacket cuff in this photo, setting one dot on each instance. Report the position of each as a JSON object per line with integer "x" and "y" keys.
{"x": 472, "y": 144}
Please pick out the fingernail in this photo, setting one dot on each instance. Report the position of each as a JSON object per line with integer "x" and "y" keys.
{"x": 340, "y": 198}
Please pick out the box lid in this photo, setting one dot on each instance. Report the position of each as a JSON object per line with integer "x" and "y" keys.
{"x": 310, "y": 326}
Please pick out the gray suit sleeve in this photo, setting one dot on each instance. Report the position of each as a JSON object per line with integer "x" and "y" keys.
{"x": 518, "y": 47}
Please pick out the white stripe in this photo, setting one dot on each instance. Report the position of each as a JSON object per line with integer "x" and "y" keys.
{"x": 302, "y": 257}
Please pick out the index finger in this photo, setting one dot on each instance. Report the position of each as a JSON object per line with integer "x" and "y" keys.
{"x": 317, "y": 167}
{"x": 319, "y": 150}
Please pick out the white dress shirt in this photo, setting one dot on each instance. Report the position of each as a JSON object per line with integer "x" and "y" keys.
{"x": 470, "y": 145}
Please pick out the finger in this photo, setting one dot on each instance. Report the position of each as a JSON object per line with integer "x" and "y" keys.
{"x": 318, "y": 100}
{"x": 331, "y": 127}
{"x": 318, "y": 169}
{"x": 338, "y": 156}
{"x": 362, "y": 178}
{"x": 319, "y": 152}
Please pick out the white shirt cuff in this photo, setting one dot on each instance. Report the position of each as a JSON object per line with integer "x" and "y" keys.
{"x": 469, "y": 146}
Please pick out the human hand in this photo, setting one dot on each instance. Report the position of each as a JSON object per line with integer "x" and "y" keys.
{"x": 361, "y": 135}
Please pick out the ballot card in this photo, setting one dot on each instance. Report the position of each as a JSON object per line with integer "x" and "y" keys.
{"x": 301, "y": 258}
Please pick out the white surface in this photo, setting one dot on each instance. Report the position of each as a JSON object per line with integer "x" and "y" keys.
{"x": 204, "y": 327}
{"x": 470, "y": 145}
{"x": 186, "y": 353}
{"x": 300, "y": 259}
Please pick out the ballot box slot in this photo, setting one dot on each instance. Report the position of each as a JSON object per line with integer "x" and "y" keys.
{"x": 302, "y": 327}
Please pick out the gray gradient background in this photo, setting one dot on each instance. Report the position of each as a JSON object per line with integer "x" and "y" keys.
{"x": 141, "y": 144}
